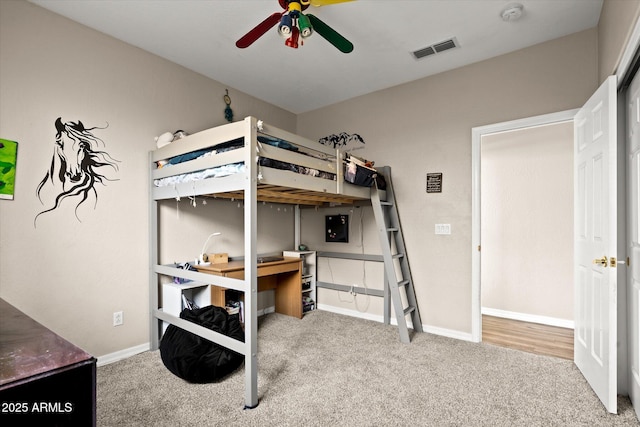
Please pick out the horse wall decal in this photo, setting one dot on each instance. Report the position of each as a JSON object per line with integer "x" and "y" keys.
{"x": 75, "y": 165}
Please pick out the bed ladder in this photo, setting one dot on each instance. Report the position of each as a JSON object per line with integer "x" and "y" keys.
{"x": 396, "y": 279}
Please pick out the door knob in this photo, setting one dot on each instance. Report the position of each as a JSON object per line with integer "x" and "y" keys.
{"x": 602, "y": 262}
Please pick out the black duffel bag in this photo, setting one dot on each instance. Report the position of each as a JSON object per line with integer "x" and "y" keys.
{"x": 196, "y": 359}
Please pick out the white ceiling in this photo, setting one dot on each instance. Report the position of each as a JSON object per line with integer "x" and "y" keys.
{"x": 201, "y": 35}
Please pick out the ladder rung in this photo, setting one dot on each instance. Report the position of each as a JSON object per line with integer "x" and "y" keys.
{"x": 385, "y": 203}
{"x": 409, "y": 309}
{"x": 396, "y": 256}
{"x": 403, "y": 283}
{"x": 393, "y": 229}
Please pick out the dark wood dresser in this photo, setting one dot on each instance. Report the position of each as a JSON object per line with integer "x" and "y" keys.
{"x": 44, "y": 379}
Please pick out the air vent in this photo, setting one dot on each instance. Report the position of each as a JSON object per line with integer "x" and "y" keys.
{"x": 421, "y": 53}
{"x": 435, "y": 48}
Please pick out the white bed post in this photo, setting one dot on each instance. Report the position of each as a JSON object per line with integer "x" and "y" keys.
{"x": 296, "y": 231}
{"x": 154, "y": 327}
{"x": 250, "y": 264}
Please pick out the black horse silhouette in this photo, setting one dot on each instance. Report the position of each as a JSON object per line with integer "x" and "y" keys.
{"x": 75, "y": 164}
{"x": 340, "y": 140}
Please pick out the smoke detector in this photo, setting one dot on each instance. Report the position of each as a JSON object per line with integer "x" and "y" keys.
{"x": 512, "y": 12}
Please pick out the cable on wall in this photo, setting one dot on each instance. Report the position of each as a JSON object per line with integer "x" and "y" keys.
{"x": 364, "y": 269}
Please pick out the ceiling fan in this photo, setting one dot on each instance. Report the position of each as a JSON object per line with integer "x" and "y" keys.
{"x": 293, "y": 25}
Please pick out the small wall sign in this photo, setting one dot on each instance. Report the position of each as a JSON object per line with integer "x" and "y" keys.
{"x": 434, "y": 183}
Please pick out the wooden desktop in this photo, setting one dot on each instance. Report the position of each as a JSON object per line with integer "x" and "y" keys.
{"x": 283, "y": 276}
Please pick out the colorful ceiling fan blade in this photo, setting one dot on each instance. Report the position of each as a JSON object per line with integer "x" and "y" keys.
{"x": 331, "y": 35}
{"x": 318, "y": 3}
{"x": 259, "y": 30}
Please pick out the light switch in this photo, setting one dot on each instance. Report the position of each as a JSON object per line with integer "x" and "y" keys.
{"x": 443, "y": 228}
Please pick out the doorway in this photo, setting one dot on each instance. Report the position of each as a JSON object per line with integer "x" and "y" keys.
{"x": 522, "y": 257}
{"x": 527, "y": 238}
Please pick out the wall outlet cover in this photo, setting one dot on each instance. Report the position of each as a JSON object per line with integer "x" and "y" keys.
{"x": 117, "y": 318}
{"x": 443, "y": 229}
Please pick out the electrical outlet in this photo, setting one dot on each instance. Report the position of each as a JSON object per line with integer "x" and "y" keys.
{"x": 118, "y": 318}
{"x": 443, "y": 229}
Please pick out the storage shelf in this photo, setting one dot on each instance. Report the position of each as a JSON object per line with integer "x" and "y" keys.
{"x": 308, "y": 265}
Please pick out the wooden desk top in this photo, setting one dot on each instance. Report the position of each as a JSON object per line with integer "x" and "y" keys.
{"x": 27, "y": 348}
{"x": 264, "y": 269}
{"x": 283, "y": 276}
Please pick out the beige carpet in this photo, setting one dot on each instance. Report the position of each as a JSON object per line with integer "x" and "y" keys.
{"x": 333, "y": 370}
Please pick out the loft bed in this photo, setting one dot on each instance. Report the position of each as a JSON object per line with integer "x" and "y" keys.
{"x": 185, "y": 167}
{"x": 247, "y": 160}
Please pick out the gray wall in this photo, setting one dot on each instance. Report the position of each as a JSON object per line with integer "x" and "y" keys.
{"x": 617, "y": 20}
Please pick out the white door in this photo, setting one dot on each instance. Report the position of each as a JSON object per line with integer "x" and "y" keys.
{"x": 595, "y": 236}
{"x": 633, "y": 249}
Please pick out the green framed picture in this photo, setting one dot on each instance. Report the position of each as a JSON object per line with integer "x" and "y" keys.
{"x": 8, "y": 159}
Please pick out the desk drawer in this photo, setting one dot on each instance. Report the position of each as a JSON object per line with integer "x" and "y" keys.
{"x": 268, "y": 270}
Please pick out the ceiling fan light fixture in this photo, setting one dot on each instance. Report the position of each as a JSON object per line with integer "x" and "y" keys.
{"x": 512, "y": 12}
{"x": 284, "y": 28}
{"x": 293, "y": 40}
{"x": 305, "y": 26}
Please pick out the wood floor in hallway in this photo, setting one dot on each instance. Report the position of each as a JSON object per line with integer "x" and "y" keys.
{"x": 530, "y": 337}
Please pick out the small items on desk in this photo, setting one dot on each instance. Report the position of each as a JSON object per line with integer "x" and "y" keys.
{"x": 213, "y": 258}
{"x": 220, "y": 258}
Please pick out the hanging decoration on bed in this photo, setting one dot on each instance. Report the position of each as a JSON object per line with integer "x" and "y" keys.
{"x": 340, "y": 140}
{"x": 294, "y": 25}
{"x": 228, "y": 112}
{"x": 76, "y": 166}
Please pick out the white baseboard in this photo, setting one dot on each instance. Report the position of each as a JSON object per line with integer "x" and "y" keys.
{"x": 267, "y": 310}
{"x": 449, "y": 333}
{"x": 132, "y": 351}
{"x": 352, "y": 313}
{"x": 524, "y": 317}
{"x": 123, "y": 354}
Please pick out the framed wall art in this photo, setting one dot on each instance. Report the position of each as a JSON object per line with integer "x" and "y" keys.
{"x": 8, "y": 159}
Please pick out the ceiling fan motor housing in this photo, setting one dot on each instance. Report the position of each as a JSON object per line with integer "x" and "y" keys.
{"x": 285, "y": 4}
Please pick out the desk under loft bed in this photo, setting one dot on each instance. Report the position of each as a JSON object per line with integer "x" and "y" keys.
{"x": 247, "y": 160}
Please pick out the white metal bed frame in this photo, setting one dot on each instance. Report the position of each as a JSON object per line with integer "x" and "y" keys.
{"x": 255, "y": 184}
